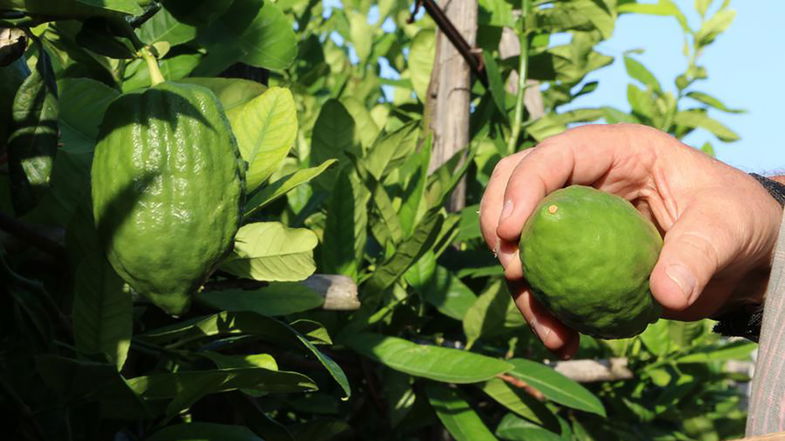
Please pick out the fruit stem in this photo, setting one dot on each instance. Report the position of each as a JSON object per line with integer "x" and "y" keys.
{"x": 156, "y": 77}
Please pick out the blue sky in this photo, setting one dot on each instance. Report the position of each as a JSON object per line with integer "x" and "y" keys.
{"x": 746, "y": 66}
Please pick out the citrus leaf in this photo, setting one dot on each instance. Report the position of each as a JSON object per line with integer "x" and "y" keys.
{"x": 102, "y": 310}
{"x": 333, "y": 137}
{"x": 555, "y": 386}
{"x": 275, "y": 190}
{"x": 232, "y": 92}
{"x": 165, "y": 27}
{"x": 345, "y": 230}
{"x": 172, "y": 384}
{"x": 255, "y": 32}
{"x": 440, "y": 287}
{"x": 279, "y": 298}
{"x": 233, "y": 323}
{"x": 638, "y": 71}
{"x": 699, "y": 119}
{"x": 421, "y": 56}
{"x": 204, "y": 432}
{"x": 513, "y": 428}
{"x": 519, "y": 402}
{"x": 32, "y": 144}
{"x": 712, "y": 102}
{"x": 456, "y": 414}
{"x": 270, "y": 251}
{"x": 390, "y": 150}
{"x": 433, "y": 362}
{"x": 487, "y": 314}
{"x": 265, "y": 127}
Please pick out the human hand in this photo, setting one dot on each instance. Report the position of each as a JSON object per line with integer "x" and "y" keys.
{"x": 720, "y": 225}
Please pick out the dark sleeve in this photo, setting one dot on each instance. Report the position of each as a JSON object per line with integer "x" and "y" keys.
{"x": 745, "y": 320}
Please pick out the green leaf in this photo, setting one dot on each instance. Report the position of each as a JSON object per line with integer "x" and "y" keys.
{"x": 77, "y": 380}
{"x": 519, "y": 402}
{"x": 102, "y": 310}
{"x": 642, "y": 103}
{"x": 414, "y": 205}
{"x": 433, "y": 362}
{"x": 163, "y": 26}
{"x": 456, "y": 414}
{"x": 319, "y": 430}
{"x": 387, "y": 229}
{"x": 83, "y": 103}
{"x": 265, "y": 361}
{"x": 656, "y": 338}
{"x": 500, "y": 13}
{"x": 421, "y": 56}
{"x": 275, "y": 190}
{"x": 712, "y": 102}
{"x": 266, "y": 128}
{"x": 279, "y": 298}
{"x": 346, "y": 225}
{"x": 361, "y": 34}
{"x": 702, "y": 6}
{"x": 204, "y": 432}
{"x": 255, "y": 32}
{"x": 662, "y": 7}
{"x": 440, "y": 287}
{"x": 197, "y": 12}
{"x": 496, "y": 84}
{"x": 487, "y": 315}
{"x": 33, "y": 142}
{"x": 130, "y": 7}
{"x": 391, "y": 149}
{"x": 420, "y": 242}
{"x": 737, "y": 350}
{"x": 186, "y": 387}
{"x": 270, "y": 251}
{"x": 513, "y": 428}
{"x": 366, "y": 130}
{"x": 699, "y": 119}
{"x": 582, "y": 15}
{"x": 714, "y": 26}
{"x": 555, "y": 386}
{"x": 232, "y": 92}
{"x": 638, "y": 71}
{"x": 333, "y": 136}
{"x": 469, "y": 226}
{"x": 233, "y": 323}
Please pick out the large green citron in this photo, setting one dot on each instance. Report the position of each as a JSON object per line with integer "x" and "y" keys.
{"x": 167, "y": 190}
{"x": 588, "y": 255}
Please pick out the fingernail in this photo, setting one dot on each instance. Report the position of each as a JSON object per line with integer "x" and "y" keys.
{"x": 683, "y": 278}
{"x": 507, "y": 210}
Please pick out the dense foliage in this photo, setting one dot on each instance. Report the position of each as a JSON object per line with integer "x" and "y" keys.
{"x": 338, "y": 147}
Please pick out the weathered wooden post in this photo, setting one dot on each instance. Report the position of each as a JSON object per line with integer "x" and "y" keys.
{"x": 767, "y": 401}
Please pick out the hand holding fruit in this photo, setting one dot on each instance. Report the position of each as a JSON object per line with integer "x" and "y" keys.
{"x": 719, "y": 224}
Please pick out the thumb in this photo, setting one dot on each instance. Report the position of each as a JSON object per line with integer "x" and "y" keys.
{"x": 694, "y": 250}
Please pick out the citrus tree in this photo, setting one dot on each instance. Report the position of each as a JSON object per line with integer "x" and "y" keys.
{"x": 338, "y": 199}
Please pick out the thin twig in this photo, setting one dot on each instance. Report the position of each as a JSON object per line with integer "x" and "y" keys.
{"x": 520, "y": 384}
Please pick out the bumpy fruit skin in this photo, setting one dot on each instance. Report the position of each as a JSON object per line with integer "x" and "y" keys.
{"x": 588, "y": 255}
{"x": 167, "y": 189}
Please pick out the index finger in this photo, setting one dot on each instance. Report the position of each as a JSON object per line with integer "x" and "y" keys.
{"x": 578, "y": 156}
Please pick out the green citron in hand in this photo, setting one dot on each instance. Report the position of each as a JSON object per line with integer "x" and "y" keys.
{"x": 167, "y": 190}
{"x": 587, "y": 256}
